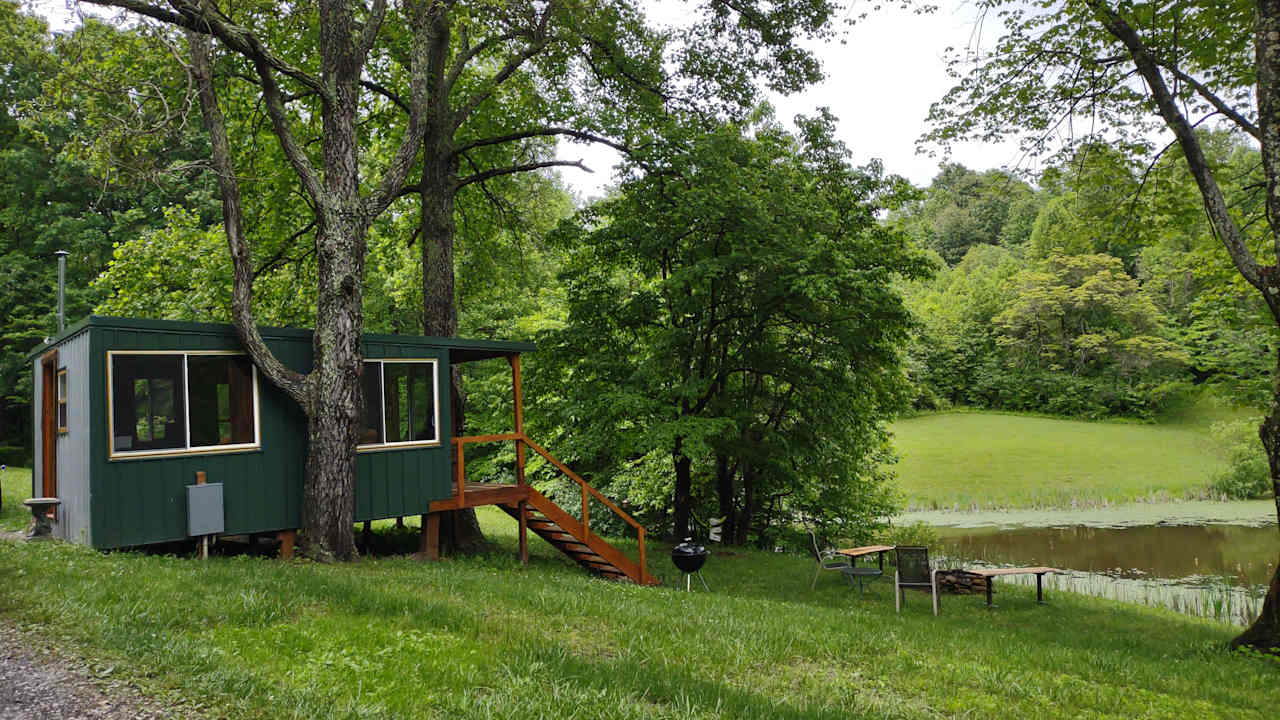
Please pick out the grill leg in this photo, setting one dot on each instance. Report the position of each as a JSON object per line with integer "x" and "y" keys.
{"x": 704, "y": 581}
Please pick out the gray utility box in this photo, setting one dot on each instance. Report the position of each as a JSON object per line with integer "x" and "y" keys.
{"x": 204, "y": 509}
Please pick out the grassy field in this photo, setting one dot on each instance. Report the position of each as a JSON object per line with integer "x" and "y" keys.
{"x": 487, "y": 638}
{"x": 981, "y": 460}
{"x": 15, "y": 486}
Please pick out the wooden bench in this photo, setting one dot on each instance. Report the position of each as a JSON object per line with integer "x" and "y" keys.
{"x": 992, "y": 573}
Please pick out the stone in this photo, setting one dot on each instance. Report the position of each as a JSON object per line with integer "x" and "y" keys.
{"x": 40, "y": 528}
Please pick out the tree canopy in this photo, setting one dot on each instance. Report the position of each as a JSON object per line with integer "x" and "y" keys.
{"x": 744, "y": 331}
{"x": 1124, "y": 73}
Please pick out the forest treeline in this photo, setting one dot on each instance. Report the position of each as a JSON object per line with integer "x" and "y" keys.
{"x": 1097, "y": 290}
{"x": 726, "y": 334}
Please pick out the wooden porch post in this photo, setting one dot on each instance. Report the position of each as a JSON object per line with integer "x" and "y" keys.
{"x": 517, "y": 396}
{"x": 518, "y": 400}
{"x": 429, "y": 545}
{"x": 287, "y": 537}
{"x": 523, "y": 507}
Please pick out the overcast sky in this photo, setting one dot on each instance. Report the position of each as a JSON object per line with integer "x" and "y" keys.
{"x": 880, "y": 83}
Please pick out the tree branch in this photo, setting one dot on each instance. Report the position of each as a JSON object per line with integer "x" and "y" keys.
{"x": 291, "y": 382}
{"x": 192, "y": 17}
{"x": 297, "y": 157}
{"x": 369, "y": 34}
{"x": 393, "y": 177}
{"x": 470, "y": 53}
{"x": 526, "y": 167}
{"x": 1215, "y": 204}
{"x": 388, "y": 94}
{"x": 1218, "y": 103}
{"x": 544, "y": 132}
{"x": 538, "y": 42}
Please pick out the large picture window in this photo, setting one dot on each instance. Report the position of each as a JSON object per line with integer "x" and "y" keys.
{"x": 400, "y": 403}
{"x": 176, "y": 402}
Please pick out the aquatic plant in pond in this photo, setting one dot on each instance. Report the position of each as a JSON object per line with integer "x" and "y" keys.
{"x": 1212, "y": 571}
{"x": 1209, "y": 597}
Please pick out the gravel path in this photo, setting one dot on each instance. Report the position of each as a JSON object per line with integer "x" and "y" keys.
{"x": 39, "y": 683}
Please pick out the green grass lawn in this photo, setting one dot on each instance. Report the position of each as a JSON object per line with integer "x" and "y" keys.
{"x": 487, "y": 638}
{"x": 982, "y": 460}
{"x": 15, "y": 486}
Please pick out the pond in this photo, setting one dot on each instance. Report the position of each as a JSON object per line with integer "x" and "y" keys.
{"x": 1235, "y": 554}
{"x": 1211, "y": 569}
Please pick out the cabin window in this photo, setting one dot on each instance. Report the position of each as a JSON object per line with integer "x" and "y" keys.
{"x": 62, "y": 400}
{"x": 178, "y": 402}
{"x": 400, "y": 403}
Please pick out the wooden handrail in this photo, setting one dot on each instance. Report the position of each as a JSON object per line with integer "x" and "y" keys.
{"x": 585, "y": 485}
{"x": 485, "y": 438}
{"x": 588, "y": 491}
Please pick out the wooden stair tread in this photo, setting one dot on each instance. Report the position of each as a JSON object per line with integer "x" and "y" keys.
{"x": 591, "y": 553}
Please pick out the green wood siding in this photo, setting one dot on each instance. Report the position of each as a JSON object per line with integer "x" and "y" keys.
{"x": 141, "y": 500}
{"x": 395, "y": 482}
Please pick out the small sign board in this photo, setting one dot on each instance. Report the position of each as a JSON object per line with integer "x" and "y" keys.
{"x": 204, "y": 509}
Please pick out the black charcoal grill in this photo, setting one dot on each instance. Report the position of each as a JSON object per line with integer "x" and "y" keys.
{"x": 689, "y": 557}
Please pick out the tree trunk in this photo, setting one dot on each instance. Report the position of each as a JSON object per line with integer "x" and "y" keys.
{"x": 683, "y": 500}
{"x": 459, "y": 530}
{"x": 1264, "y": 634}
{"x": 749, "y": 503}
{"x": 334, "y": 399}
{"x": 725, "y": 492}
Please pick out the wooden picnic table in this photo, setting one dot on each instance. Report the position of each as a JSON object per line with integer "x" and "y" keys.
{"x": 992, "y": 573}
{"x": 854, "y": 553}
{"x": 865, "y": 572}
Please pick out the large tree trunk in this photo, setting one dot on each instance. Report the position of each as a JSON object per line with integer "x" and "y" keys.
{"x": 1264, "y": 634}
{"x": 333, "y": 405}
{"x": 459, "y": 530}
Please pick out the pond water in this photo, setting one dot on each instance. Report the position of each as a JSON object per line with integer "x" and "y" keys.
{"x": 1213, "y": 570}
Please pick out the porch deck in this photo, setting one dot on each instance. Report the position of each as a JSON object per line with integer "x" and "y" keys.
{"x": 478, "y": 494}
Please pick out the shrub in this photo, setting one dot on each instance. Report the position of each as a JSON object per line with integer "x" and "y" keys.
{"x": 1247, "y": 474}
{"x": 14, "y": 456}
{"x": 916, "y": 533}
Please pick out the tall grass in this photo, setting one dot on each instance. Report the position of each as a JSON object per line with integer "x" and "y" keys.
{"x": 1210, "y": 598}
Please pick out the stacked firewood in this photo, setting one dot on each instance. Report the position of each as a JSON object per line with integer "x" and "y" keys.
{"x": 959, "y": 582}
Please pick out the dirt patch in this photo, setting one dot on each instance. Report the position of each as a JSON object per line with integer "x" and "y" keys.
{"x": 38, "y": 682}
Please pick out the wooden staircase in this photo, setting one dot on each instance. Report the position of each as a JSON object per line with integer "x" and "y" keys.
{"x": 535, "y": 511}
{"x": 550, "y": 522}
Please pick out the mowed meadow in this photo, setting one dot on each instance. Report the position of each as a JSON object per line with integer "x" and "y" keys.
{"x": 970, "y": 461}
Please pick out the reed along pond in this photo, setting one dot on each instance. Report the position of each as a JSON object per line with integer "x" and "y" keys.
{"x": 1210, "y": 568}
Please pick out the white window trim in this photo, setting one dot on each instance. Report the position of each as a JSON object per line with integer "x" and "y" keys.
{"x": 113, "y": 454}
{"x": 61, "y": 393}
{"x": 435, "y": 407}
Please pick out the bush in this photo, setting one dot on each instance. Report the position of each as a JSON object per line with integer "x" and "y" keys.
{"x": 916, "y": 533}
{"x": 1058, "y": 393}
{"x": 1247, "y": 474}
{"x": 14, "y": 456}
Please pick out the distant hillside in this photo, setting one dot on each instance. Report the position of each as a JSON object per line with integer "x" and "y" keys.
{"x": 973, "y": 460}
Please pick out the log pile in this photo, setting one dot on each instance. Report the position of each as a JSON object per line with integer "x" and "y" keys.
{"x": 959, "y": 582}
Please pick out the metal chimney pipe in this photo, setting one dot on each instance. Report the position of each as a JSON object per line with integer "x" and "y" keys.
{"x": 62, "y": 288}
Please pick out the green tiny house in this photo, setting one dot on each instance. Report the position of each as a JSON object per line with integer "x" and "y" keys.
{"x": 128, "y": 411}
{"x": 125, "y": 415}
